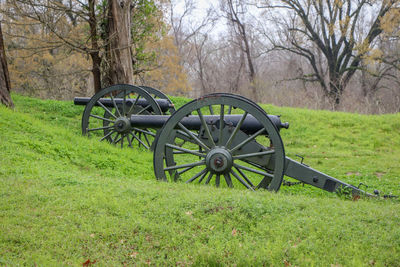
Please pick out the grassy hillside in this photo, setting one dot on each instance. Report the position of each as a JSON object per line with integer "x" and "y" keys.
{"x": 66, "y": 199}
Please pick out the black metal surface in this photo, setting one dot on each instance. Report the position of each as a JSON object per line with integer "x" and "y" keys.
{"x": 318, "y": 179}
{"x": 249, "y": 126}
{"x": 164, "y": 104}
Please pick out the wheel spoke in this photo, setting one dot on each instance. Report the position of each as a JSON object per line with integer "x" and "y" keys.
{"x": 211, "y": 109}
{"x": 106, "y": 109}
{"x": 249, "y": 155}
{"x": 228, "y": 180}
{"x": 202, "y": 177}
{"x": 129, "y": 140}
{"x": 115, "y": 140}
{"x": 140, "y": 141}
{"x": 100, "y": 128}
{"x": 186, "y": 150}
{"x": 124, "y": 104}
{"x": 230, "y": 110}
{"x": 264, "y": 182}
{"x": 217, "y": 180}
{"x": 198, "y": 163}
{"x": 244, "y": 176}
{"x": 194, "y": 177}
{"x": 237, "y": 128}
{"x": 144, "y": 131}
{"x": 140, "y": 137}
{"x": 107, "y": 135}
{"x": 209, "y": 178}
{"x": 185, "y": 170}
{"x": 198, "y": 141}
{"x": 134, "y": 103}
{"x": 115, "y": 105}
{"x": 255, "y": 165}
{"x": 122, "y": 140}
{"x": 221, "y": 123}
{"x": 143, "y": 109}
{"x": 205, "y": 126}
{"x": 250, "y": 138}
{"x": 252, "y": 170}
{"x": 182, "y": 135}
{"x": 147, "y": 140}
{"x": 101, "y": 118}
{"x": 118, "y": 140}
{"x": 241, "y": 180}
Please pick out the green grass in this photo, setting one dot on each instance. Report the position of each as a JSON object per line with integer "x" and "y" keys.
{"x": 65, "y": 199}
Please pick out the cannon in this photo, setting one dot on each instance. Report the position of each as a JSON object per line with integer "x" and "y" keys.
{"x": 221, "y": 139}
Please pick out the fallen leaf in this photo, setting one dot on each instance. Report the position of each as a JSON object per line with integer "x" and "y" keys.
{"x": 88, "y": 263}
{"x": 234, "y": 232}
{"x": 189, "y": 213}
{"x": 134, "y": 254}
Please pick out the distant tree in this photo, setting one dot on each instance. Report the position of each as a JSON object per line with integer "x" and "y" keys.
{"x": 235, "y": 12}
{"x": 111, "y": 32}
{"x": 339, "y": 34}
{"x": 190, "y": 37}
{"x": 168, "y": 74}
{"x": 5, "y": 86}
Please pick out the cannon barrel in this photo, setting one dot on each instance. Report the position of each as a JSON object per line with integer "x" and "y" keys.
{"x": 250, "y": 124}
{"x": 163, "y": 103}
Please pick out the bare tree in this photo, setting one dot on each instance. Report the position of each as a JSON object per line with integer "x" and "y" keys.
{"x": 50, "y": 14}
{"x": 103, "y": 30}
{"x": 5, "y": 85}
{"x": 235, "y": 11}
{"x": 183, "y": 26}
{"x": 310, "y": 27}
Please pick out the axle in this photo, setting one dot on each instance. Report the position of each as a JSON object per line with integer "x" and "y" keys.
{"x": 163, "y": 103}
{"x": 250, "y": 125}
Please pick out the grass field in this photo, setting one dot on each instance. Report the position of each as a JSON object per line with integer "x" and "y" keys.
{"x": 66, "y": 199}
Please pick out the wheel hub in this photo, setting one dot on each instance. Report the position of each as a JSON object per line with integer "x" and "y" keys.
{"x": 122, "y": 125}
{"x": 219, "y": 160}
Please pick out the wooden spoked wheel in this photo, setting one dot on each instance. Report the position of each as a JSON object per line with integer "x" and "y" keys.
{"x": 157, "y": 94}
{"x": 107, "y": 116}
{"x": 212, "y": 150}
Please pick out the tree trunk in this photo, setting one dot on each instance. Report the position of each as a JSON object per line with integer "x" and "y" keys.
{"x": 5, "y": 85}
{"x": 121, "y": 69}
{"x": 335, "y": 91}
{"x": 94, "y": 53}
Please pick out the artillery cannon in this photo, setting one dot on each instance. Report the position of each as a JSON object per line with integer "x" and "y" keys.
{"x": 214, "y": 138}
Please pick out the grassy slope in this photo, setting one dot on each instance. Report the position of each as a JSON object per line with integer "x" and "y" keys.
{"x": 65, "y": 199}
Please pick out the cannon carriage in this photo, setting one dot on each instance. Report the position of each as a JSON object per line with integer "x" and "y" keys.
{"x": 221, "y": 139}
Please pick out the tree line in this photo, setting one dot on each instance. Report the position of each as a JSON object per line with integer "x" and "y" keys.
{"x": 334, "y": 54}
